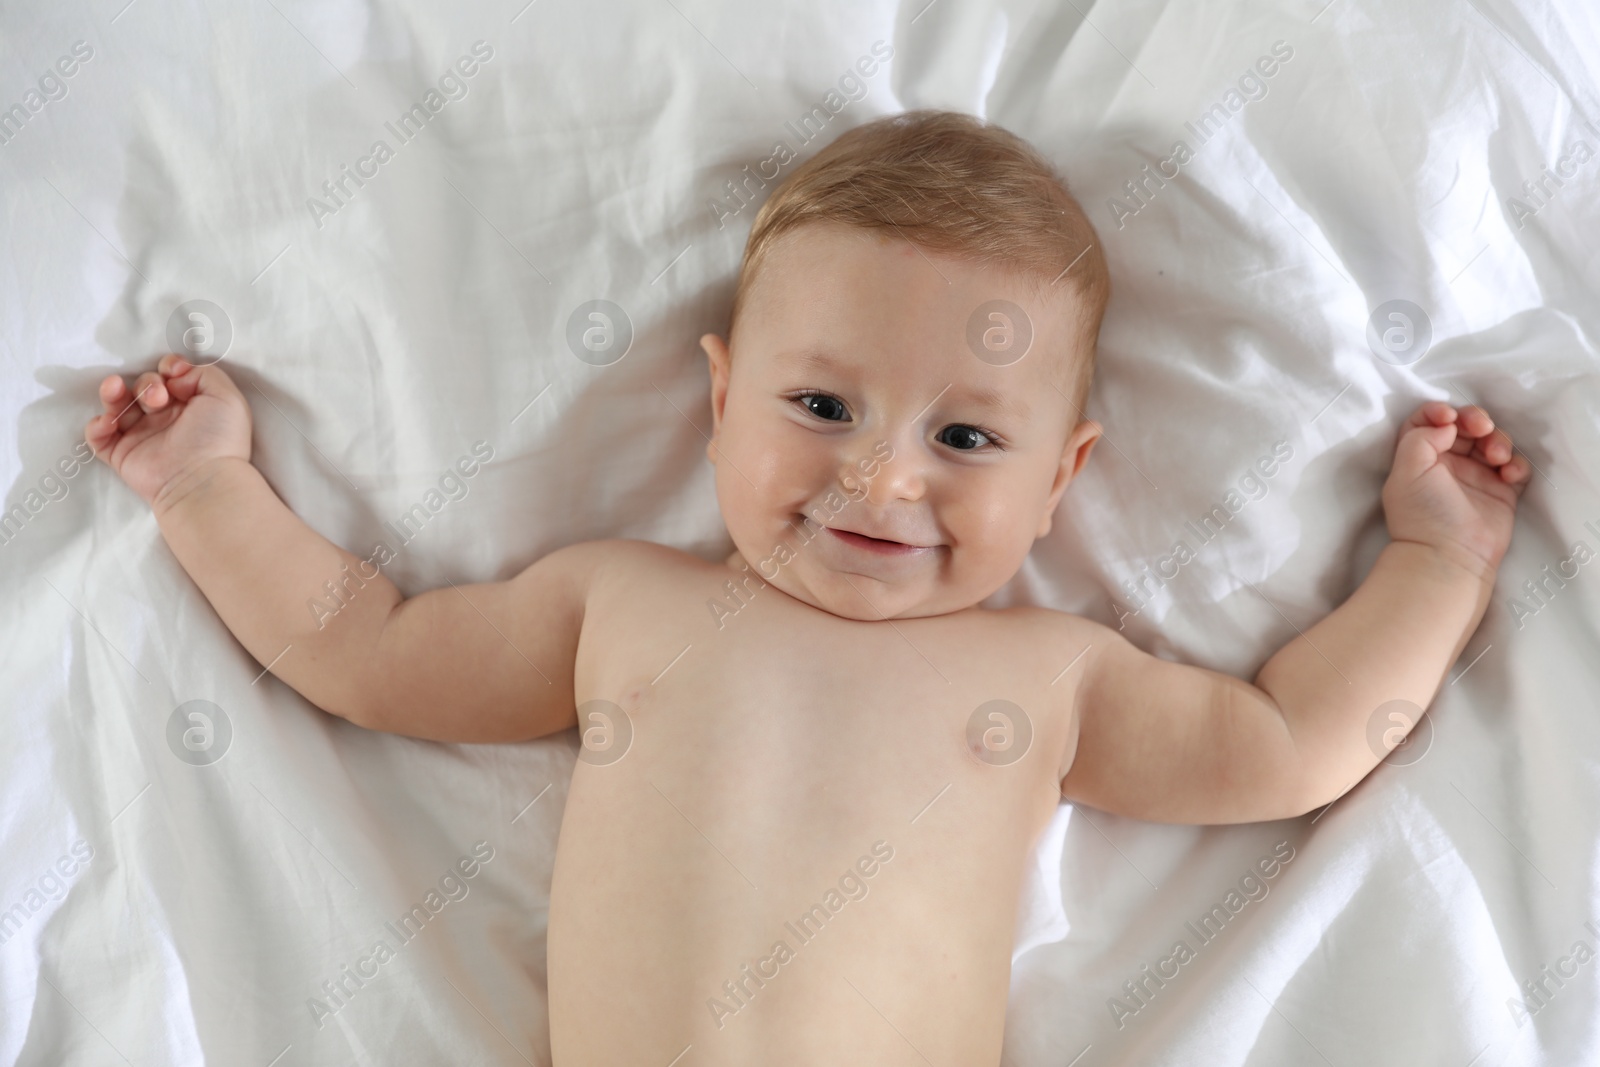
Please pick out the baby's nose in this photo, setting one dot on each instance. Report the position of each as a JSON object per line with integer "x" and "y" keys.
{"x": 879, "y": 480}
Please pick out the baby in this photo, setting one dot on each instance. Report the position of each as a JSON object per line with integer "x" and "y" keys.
{"x": 810, "y": 775}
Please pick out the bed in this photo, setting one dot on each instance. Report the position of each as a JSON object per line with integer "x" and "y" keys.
{"x": 194, "y": 858}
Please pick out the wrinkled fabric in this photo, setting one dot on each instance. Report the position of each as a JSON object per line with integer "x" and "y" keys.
{"x": 390, "y": 311}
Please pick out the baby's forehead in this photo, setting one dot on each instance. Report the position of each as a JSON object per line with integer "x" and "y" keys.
{"x": 832, "y": 260}
{"x": 823, "y": 286}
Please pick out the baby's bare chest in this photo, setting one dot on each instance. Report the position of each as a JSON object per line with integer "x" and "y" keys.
{"x": 802, "y": 741}
{"x": 781, "y": 788}
{"x": 782, "y": 723}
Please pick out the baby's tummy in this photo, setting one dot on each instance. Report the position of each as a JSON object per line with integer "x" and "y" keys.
{"x": 730, "y": 911}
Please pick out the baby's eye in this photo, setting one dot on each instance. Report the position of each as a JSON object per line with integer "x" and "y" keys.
{"x": 823, "y": 406}
{"x": 964, "y": 438}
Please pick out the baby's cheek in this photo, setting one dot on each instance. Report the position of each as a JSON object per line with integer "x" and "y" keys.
{"x": 993, "y": 535}
{"x": 988, "y": 518}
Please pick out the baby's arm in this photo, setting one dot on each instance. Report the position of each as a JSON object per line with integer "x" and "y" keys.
{"x": 1174, "y": 743}
{"x": 490, "y": 662}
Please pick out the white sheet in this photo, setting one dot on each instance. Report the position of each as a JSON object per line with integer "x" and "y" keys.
{"x": 205, "y": 905}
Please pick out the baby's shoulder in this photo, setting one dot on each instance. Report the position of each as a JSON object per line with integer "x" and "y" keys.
{"x": 626, "y": 567}
{"x": 1033, "y": 624}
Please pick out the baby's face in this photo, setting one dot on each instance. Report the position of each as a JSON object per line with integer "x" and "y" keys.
{"x": 855, "y": 399}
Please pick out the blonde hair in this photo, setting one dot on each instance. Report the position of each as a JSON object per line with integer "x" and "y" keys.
{"x": 948, "y": 183}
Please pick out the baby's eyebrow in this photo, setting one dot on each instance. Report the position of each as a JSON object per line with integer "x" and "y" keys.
{"x": 990, "y": 399}
{"x": 978, "y": 396}
{"x": 813, "y": 359}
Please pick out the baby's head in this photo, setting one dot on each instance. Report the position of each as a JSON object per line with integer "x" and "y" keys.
{"x": 898, "y": 407}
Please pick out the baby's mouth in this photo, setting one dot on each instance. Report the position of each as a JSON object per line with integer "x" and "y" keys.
{"x": 878, "y": 545}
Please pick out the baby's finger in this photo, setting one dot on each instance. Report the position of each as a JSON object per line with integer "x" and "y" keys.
{"x": 113, "y": 393}
{"x": 1515, "y": 472}
{"x": 1419, "y": 448}
{"x": 150, "y": 391}
{"x": 102, "y": 434}
{"x": 1475, "y": 422}
{"x": 1433, "y": 413}
{"x": 127, "y": 409}
{"x": 1494, "y": 448}
{"x": 121, "y": 410}
{"x": 182, "y": 377}
{"x": 127, "y": 416}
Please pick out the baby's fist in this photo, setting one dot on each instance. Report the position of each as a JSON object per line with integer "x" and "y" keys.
{"x": 172, "y": 421}
{"x": 1454, "y": 485}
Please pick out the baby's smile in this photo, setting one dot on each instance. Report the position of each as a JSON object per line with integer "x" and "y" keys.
{"x": 883, "y": 559}
{"x": 886, "y": 546}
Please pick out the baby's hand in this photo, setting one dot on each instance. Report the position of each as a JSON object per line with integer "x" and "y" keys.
{"x": 1454, "y": 485}
{"x": 169, "y": 424}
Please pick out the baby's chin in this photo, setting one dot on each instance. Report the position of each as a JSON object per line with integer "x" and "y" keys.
{"x": 862, "y": 598}
{"x": 855, "y": 609}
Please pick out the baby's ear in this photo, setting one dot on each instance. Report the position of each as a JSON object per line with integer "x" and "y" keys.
{"x": 1079, "y": 444}
{"x": 717, "y": 354}
{"x": 1074, "y": 454}
{"x": 716, "y": 349}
